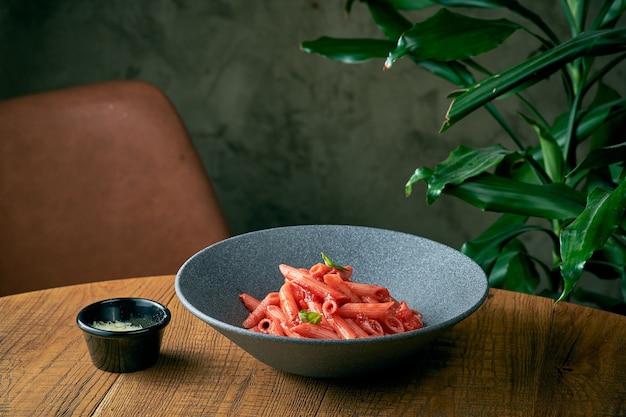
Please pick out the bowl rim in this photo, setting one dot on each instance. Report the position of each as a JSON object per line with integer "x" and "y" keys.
{"x": 86, "y": 327}
{"x": 220, "y": 325}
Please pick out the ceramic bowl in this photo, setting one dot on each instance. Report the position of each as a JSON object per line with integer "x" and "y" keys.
{"x": 443, "y": 284}
{"x": 124, "y": 334}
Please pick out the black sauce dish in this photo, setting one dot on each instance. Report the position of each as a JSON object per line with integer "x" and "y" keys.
{"x": 124, "y": 334}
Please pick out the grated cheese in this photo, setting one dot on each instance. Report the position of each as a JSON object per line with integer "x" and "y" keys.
{"x": 116, "y": 326}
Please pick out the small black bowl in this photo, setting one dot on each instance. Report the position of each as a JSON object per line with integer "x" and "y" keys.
{"x": 120, "y": 349}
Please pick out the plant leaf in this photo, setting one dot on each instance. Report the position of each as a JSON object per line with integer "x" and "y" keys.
{"x": 534, "y": 70}
{"x": 613, "y": 14}
{"x": 513, "y": 5}
{"x": 577, "y": 11}
{"x": 504, "y": 195}
{"x": 516, "y": 167}
{"x": 608, "y": 262}
{"x": 464, "y": 162}
{"x": 514, "y": 269}
{"x": 422, "y": 4}
{"x": 392, "y": 23}
{"x": 607, "y": 302}
{"x": 484, "y": 249}
{"x": 603, "y": 157}
{"x": 589, "y": 232}
{"x": 553, "y": 160}
{"x": 592, "y": 120}
{"x": 348, "y": 51}
{"x": 412, "y": 4}
{"x": 449, "y": 36}
{"x": 610, "y": 102}
{"x": 422, "y": 173}
{"x": 452, "y": 71}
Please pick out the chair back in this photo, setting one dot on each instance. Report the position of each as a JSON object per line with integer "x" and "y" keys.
{"x": 99, "y": 182}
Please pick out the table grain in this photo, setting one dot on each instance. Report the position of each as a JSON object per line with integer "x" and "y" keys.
{"x": 516, "y": 356}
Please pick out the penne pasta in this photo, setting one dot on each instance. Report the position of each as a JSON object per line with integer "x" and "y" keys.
{"x": 345, "y": 273}
{"x": 391, "y": 324}
{"x": 259, "y": 312}
{"x": 276, "y": 314}
{"x": 371, "y": 326}
{"x": 368, "y": 299}
{"x": 319, "y": 270}
{"x": 371, "y": 310}
{"x": 321, "y": 302}
{"x": 411, "y": 319}
{"x": 356, "y": 328}
{"x": 329, "y": 307}
{"x": 314, "y": 332}
{"x": 276, "y": 329}
{"x": 301, "y": 295}
{"x": 369, "y": 290}
{"x": 288, "y": 302}
{"x": 335, "y": 281}
{"x": 264, "y": 325}
{"x": 320, "y": 289}
{"x": 341, "y": 327}
{"x": 314, "y": 306}
{"x": 291, "y": 273}
{"x": 249, "y": 301}
{"x": 290, "y": 333}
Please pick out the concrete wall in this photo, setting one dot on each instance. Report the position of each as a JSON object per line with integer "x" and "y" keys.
{"x": 287, "y": 137}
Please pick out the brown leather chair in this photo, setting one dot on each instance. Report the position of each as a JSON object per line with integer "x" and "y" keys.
{"x": 99, "y": 182}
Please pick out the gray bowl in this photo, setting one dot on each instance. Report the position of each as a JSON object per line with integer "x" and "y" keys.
{"x": 440, "y": 282}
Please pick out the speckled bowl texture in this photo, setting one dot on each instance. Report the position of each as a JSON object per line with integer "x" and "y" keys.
{"x": 440, "y": 282}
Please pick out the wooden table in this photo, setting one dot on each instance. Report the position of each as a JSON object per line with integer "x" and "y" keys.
{"x": 514, "y": 357}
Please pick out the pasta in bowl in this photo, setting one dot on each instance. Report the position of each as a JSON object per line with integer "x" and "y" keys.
{"x": 437, "y": 284}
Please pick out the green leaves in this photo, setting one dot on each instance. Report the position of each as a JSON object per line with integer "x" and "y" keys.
{"x": 422, "y": 4}
{"x": 610, "y": 14}
{"x": 566, "y": 181}
{"x": 428, "y": 43}
{"x": 515, "y": 261}
{"x": 348, "y": 51}
{"x": 486, "y": 247}
{"x": 589, "y": 232}
{"x": 463, "y": 163}
{"x": 390, "y": 22}
{"x": 449, "y": 36}
{"x": 504, "y": 257}
{"x": 553, "y": 160}
{"x": 504, "y": 195}
{"x": 599, "y": 158}
{"x": 464, "y": 175}
{"x": 534, "y": 70}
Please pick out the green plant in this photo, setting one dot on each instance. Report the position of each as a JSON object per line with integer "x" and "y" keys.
{"x": 563, "y": 178}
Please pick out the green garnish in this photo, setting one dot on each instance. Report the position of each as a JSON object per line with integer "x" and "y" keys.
{"x": 309, "y": 316}
{"x": 330, "y": 263}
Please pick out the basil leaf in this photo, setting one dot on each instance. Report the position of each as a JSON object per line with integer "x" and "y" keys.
{"x": 309, "y": 317}
{"x": 330, "y": 263}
